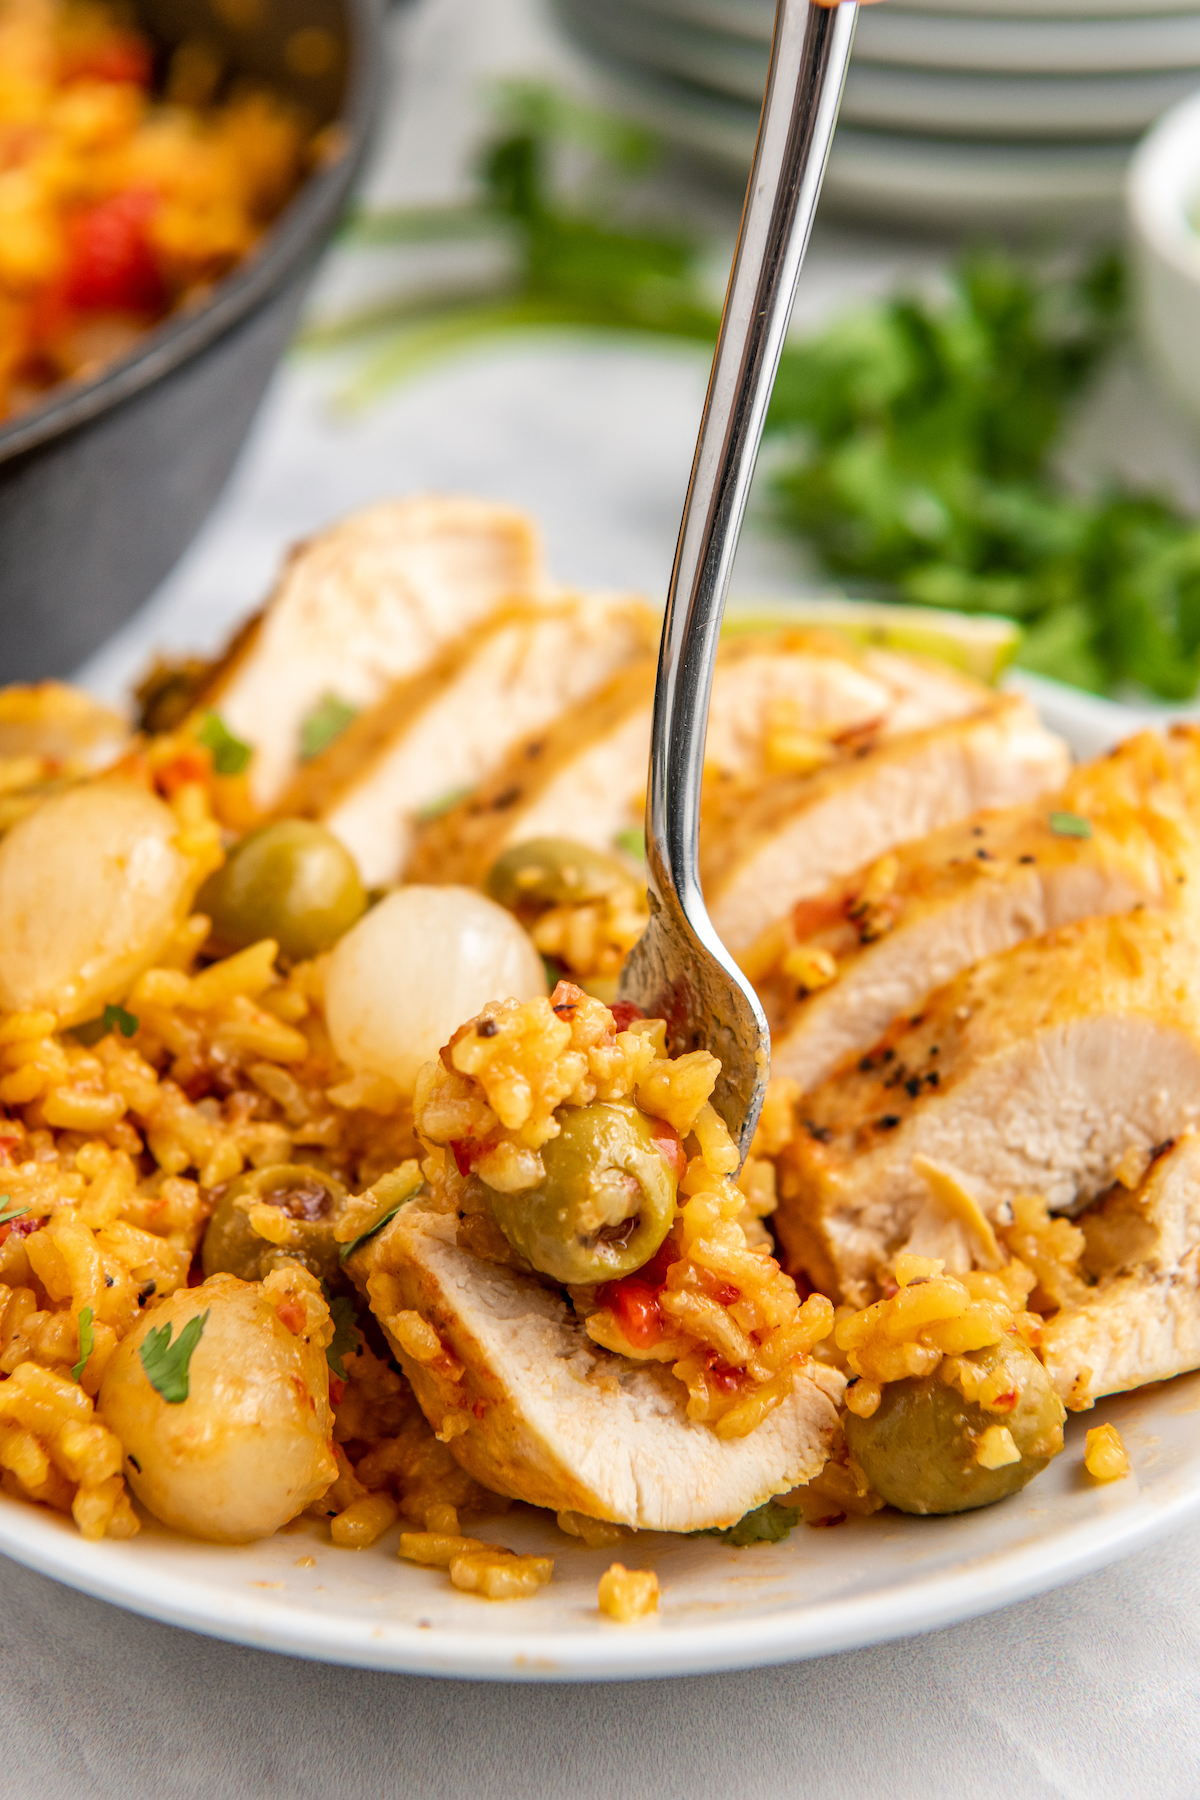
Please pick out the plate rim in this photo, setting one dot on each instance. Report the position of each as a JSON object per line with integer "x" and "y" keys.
{"x": 972, "y": 1588}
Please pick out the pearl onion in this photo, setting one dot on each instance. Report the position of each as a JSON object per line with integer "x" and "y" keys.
{"x": 92, "y": 885}
{"x": 250, "y": 1447}
{"x": 406, "y": 977}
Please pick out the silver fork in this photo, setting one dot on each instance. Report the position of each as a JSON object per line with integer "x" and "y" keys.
{"x": 680, "y": 970}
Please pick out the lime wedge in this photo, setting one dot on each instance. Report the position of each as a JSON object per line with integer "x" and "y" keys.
{"x": 980, "y": 644}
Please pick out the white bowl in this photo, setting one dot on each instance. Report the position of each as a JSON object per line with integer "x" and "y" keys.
{"x": 1163, "y": 189}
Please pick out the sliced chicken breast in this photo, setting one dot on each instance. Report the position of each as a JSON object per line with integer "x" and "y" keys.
{"x": 584, "y": 778}
{"x": 532, "y": 1408}
{"x": 1141, "y": 1321}
{"x": 1037, "y": 1071}
{"x": 439, "y": 733}
{"x": 778, "y": 699}
{"x": 360, "y": 607}
{"x": 797, "y": 697}
{"x": 795, "y": 836}
{"x": 907, "y": 925}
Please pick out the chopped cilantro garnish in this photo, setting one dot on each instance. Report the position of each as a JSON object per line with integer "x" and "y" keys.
{"x": 166, "y": 1363}
{"x": 1065, "y": 824}
{"x": 87, "y": 1341}
{"x": 767, "y": 1524}
{"x": 115, "y": 1018}
{"x": 632, "y": 842}
{"x": 364, "y": 1236}
{"x": 230, "y": 756}
{"x": 327, "y": 720}
{"x": 347, "y": 1338}
{"x": 442, "y": 804}
{"x": 14, "y": 1212}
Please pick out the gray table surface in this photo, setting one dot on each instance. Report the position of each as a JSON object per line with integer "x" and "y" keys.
{"x": 1091, "y": 1691}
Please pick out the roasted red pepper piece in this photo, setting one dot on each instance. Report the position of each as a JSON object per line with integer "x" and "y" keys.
{"x": 112, "y": 266}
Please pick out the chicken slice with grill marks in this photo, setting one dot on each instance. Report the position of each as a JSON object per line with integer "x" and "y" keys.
{"x": 443, "y": 730}
{"x": 870, "y": 949}
{"x": 1037, "y": 1071}
{"x": 362, "y": 605}
{"x": 1140, "y": 1322}
{"x": 533, "y": 1408}
{"x": 780, "y": 700}
{"x": 795, "y": 836}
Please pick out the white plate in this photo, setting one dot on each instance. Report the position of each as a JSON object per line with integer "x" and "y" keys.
{"x": 883, "y": 97}
{"x": 755, "y": 18}
{"x": 924, "y": 35}
{"x": 1038, "y": 9}
{"x": 941, "y": 181}
{"x": 893, "y": 34}
{"x": 820, "y": 1591}
{"x": 1039, "y": 106}
{"x": 904, "y": 179}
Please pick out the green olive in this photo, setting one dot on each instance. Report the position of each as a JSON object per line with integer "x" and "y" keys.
{"x": 292, "y": 881}
{"x": 551, "y": 871}
{"x": 313, "y": 1202}
{"x": 606, "y": 1203}
{"x": 918, "y": 1448}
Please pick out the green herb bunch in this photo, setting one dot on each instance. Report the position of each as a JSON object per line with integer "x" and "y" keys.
{"x": 913, "y": 437}
{"x": 921, "y": 432}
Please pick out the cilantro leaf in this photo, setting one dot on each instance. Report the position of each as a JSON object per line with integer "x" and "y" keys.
{"x": 115, "y": 1018}
{"x": 347, "y": 1339}
{"x": 364, "y": 1236}
{"x": 1065, "y": 824}
{"x": 768, "y": 1524}
{"x": 14, "y": 1212}
{"x": 443, "y": 804}
{"x": 87, "y": 1341}
{"x": 166, "y": 1363}
{"x": 632, "y": 842}
{"x": 230, "y": 755}
{"x": 327, "y": 721}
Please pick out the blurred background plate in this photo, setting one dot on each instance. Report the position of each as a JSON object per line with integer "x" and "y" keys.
{"x": 939, "y": 182}
{"x": 909, "y": 179}
{"x": 959, "y": 115}
{"x": 1045, "y": 46}
{"x": 1031, "y": 106}
{"x": 975, "y": 105}
{"x": 755, "y": 18}
{"x": 991, "y": 36}
{"x": 1041, "y": 9}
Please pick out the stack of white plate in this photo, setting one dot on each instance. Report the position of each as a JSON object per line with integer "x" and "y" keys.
{"x": 956, "y": 112}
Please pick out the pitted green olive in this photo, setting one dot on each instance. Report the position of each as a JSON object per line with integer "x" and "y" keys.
{"x": 918, "y": 1449}
{"x": 313, "y": 1202}
{"x": 551, "y": 871}
{"x": 606, "y": 1203}
{"x": 292, "y": 881}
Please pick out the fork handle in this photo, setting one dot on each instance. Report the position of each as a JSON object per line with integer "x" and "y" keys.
{"x": 809, "y": 54}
